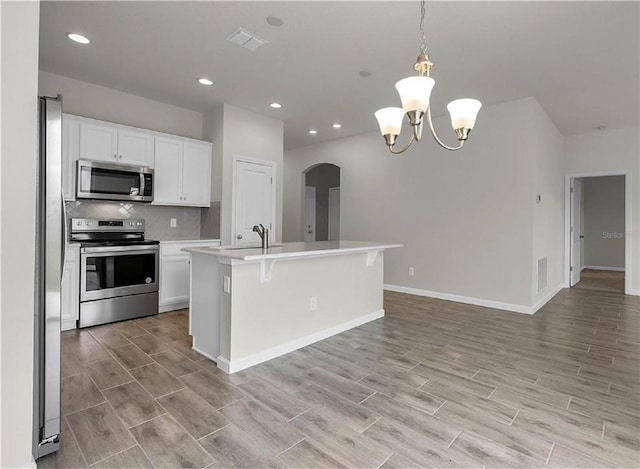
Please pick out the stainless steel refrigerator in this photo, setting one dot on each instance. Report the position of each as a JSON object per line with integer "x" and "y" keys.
{"x": 50, "y": 243}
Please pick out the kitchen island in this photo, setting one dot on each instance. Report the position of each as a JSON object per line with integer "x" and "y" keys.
{"x": 249, "y": 305}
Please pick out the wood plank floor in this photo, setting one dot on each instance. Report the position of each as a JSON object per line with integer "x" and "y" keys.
{"x": 603, "y": 280}
{"x": 433, "y": 384}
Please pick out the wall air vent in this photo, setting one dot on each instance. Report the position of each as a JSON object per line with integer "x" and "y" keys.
{"x": 542, "y": 274}
{"x": 246, "y": 39}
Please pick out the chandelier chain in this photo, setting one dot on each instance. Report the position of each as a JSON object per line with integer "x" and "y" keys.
{"x": 423, "y": 44}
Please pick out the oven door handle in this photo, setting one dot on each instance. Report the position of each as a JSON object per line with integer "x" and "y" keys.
{"x": 119, "y": 249}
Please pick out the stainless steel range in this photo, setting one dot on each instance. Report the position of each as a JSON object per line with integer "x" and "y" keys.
{"x": 118, "y": 270}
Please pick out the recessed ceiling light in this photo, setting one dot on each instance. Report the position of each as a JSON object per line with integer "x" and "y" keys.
{"x": 205, "y": 81}
{"x": 275, "y": 105}
{"x": 313, "y": 131}
{"x": 274, "y": 21}
{"x": 365, "y": 73}
{"x": 79, "y": 38}
{"x": 336, "y": 126}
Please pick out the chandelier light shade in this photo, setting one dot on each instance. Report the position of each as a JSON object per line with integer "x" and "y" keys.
{"x": 390, "y": 120}
{"x": 463, "y": 113}
{"x": 415, "y": 94}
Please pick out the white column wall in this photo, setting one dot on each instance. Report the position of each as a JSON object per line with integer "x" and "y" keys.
{"x": 243, "y": 134}
{"x": 19, "y": 105}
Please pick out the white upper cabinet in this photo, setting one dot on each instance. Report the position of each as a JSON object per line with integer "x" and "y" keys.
{"x": 98, "y": 142}
{"x": 168, "y": 171}
{"x": 182, "y": 172}
{"x": 135, "y": 147}
{"x": 113, "y": 143}
{"x": 182, "y": 166}
{"x": 196, "y": 174}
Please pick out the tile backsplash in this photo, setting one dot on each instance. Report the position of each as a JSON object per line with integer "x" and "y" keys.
{"x": 157, "y": 217}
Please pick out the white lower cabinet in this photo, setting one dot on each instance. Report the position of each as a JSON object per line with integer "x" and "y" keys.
{"x": 174, "y": 273}
{"x": 71, "y": 287}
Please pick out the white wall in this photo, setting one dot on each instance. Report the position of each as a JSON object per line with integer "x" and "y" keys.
{"x": 611, "y": 150}
{"x": 548, "y": 214}
{"x": 250, "y": 135}
{"x": 19, "y": 101}
{"x": 213, "y": 130}
{"x": 603, "y": 213}
{"x": 466, "y": 218}
{"x": 89, "y": 100}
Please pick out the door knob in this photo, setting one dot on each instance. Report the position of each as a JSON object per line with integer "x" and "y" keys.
{"x": 239, "y": 237}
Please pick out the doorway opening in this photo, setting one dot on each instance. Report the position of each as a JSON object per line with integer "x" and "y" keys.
{"x": 598, "y": 223}
{"x": 321, "y": 205}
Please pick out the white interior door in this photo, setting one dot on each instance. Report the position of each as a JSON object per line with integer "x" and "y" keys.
{"x": 334, "y": 213}
{"x": 254, "y": 201}
{"x": 309, "y": 213}
{"x": 576, "y": 240}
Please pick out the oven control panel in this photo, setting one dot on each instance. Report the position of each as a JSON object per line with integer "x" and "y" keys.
{"x": 92, "y": 224}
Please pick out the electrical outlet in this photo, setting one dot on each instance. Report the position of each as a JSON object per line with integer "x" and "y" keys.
{"x": 412, "y": 271}
{"x": 173, "y": 223}
{"x": 313, "y": 303}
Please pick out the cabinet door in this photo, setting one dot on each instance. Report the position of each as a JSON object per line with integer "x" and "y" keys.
{"x": 70, "y": 293}
{"x": 135, "y": 148}
{"x": 174, "y": 279}
{"x": 196, "y": 174}
{"x": 70, "y": 144}
{"x": 167, "y": 184}
{"x": 98, "y": 142}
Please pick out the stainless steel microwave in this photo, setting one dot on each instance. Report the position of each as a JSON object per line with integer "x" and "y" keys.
{"x": 107, "y": 181}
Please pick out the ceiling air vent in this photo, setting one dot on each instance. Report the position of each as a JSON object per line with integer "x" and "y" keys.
{"x": 246, "y": 39}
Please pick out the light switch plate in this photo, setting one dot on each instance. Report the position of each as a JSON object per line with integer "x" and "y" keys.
{"x": 226, "y": 284}
{"x": 173, "y": 222}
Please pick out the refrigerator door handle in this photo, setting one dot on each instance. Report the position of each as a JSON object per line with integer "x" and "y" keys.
{"x": 64, "y": 236}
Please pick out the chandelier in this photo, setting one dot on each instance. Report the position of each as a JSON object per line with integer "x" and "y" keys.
{"x": 414, "y": 94}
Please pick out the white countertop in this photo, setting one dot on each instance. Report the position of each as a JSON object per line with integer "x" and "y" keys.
{"x": 291, "y": 250}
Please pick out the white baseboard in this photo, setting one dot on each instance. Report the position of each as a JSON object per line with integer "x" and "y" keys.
{"x": 236, "y": 365}
{"x": 215, "y": 359}
{"x": 515, "y": 308}
{"x": 461, "y": 299}
{"x": 173, "y": 306}
{"x": 601, "y": 267}
{"x": 545, "y": 299}
{"x": 224, "y": 365}
{"x": 634, "y": 292}
{"x": 68, "y": 325}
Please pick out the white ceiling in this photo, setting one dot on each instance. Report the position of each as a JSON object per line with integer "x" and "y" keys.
{"x": 580, "y": 60}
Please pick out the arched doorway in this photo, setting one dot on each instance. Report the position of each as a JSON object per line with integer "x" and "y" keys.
{"x": 321, "y": 207}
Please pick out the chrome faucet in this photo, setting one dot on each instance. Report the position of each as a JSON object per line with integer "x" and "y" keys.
{"x": 263, "y": 233}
